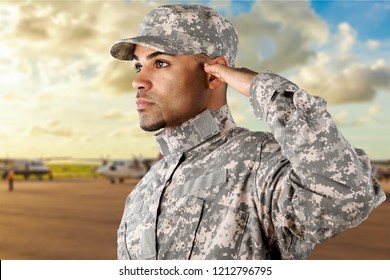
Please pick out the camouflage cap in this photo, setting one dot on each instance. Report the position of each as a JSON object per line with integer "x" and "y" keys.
{"x": 182, "y": 29}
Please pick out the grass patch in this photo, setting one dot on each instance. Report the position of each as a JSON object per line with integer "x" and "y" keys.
{"x": 73, "y": 170}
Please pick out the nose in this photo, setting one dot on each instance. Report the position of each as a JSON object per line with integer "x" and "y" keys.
{"x": 142, "y": 81}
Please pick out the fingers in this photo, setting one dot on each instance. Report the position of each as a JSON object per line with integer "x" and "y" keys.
{"x": 238, "y": 78}
{"x": 217, "y": 70}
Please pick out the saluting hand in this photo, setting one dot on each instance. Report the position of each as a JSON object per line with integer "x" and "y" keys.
{"x": 238, "y": 78}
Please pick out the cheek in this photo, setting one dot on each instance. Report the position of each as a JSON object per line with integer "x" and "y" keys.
{"x": 179, "y": 109}
{"x": 183, "y": 95}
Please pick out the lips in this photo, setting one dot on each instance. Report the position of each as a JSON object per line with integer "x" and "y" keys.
{"x": 142, "y": 103}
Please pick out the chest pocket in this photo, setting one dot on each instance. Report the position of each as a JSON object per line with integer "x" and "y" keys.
{"x": 220, "y": 232}
{"x": 125, "y": 229}
{"x": 210, "y": 230}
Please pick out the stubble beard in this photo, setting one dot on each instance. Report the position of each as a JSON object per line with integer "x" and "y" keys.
{"x": 154, "y": 125}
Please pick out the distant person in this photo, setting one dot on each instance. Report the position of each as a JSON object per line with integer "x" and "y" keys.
{"x": 10, "y": 180}
{"x": 221, "y": 191}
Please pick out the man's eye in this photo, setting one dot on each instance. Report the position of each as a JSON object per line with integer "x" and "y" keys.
{"x": 161, "y": 64}
{"x": 137, "y": 68}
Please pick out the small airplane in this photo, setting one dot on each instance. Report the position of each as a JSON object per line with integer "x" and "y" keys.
{"x": 381, "y": 169}
{"x": 24, "y": 167}
{"x": 382, "y": 173}
{"x": 122, "y": 169}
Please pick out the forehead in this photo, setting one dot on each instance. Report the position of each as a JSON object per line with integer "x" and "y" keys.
{"x": 142, "y": 52}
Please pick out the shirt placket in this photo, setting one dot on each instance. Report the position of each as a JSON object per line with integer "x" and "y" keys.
{"x": 148, "y": 239}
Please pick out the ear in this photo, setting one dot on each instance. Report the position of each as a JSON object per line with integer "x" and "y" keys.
{"x": 214, "y": 82}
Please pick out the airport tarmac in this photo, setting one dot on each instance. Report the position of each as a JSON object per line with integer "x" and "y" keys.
{"x": 77, "y": 219}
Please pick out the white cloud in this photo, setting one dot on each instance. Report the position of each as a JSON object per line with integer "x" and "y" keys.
{"x": 346, "y": 37}
{"x": 337, "y": 74}
{"x": 272, "y": 37}
{"x": 116, "y": 77}
{"x": 53, "y": 43}
{"x": 116, "y": 114}
{"x": 56, "y": 50}
{"x": 374, "y": 109}
{"x": 54, "y": 128}
{"x": 362, "y": 121}
{"x": 341, "y": 118}
{"x": 9, "y": 96}
{"x": 120, "y": 132}
{"x": 355, "y": 83}
{"x": 366, "y": 117}
{"x": 372, "y": 44}
{"x": 58, "y": 43}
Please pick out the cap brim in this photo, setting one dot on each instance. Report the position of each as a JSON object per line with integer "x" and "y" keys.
{"x": 124, "y": 49}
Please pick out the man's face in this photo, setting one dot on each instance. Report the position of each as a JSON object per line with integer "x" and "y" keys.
{"x": 171, "y": 89}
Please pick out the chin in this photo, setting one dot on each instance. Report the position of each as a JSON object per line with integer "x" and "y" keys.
{"x": 153, "y": 126}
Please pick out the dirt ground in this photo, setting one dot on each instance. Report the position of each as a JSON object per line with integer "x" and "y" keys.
{"x": 77, "y": 219}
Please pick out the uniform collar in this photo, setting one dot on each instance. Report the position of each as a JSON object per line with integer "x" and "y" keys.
{"x": 194, "y": 131}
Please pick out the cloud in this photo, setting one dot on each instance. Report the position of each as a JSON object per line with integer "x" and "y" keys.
{"x": 120, "y": 132}
{"x": 362, "y": 121}
{"x": 46, "y": 97}
{"x": 57, "y": 28}
{"x": 54, "y": 128}
{"x": 374, "y": 109}
{"x": 63, "y": 42}
{"x": 131, "y": 133}
{"x": 10, "y": 96}
{"x": 53, "y": 51}
{"x": 116, "y": 77}
{"x": 355, "y": 83}
{"x": 346, "y": 37}
{"x": 272, "y": 37}
{"x": 116, "y": 114}
{"x": 337, "y": 74}
{"x": 367, "y": 116}
{"x": 341, "y": 118}
{"x": 56, "y": 43}
{"x": 372, "y": 44}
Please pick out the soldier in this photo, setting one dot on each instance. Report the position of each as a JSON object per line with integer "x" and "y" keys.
{"x": 221, "y": 191}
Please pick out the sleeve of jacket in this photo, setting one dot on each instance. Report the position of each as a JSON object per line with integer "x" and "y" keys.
{"x": 313, "y": 182}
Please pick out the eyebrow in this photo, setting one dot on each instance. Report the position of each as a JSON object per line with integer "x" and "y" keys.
{"x": 152, "y": 55}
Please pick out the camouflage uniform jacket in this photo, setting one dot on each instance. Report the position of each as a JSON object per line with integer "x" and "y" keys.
{"x": 224, "y": 192}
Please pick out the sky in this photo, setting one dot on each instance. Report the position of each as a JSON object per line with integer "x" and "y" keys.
{"x": 62, "y": 94}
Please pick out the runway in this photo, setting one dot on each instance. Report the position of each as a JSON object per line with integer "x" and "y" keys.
{"x": 77, "y": 219}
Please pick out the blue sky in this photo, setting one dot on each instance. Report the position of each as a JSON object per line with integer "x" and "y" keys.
{"x": 64, "y": 95}
{"x": 370, "y": 18}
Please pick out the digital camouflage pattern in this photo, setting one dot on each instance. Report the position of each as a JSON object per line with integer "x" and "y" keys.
{"x": 182, "y": 29}
{"x": 224, "y": 192}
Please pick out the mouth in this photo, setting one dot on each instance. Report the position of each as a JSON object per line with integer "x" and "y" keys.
{"x": 142, "y": 103}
